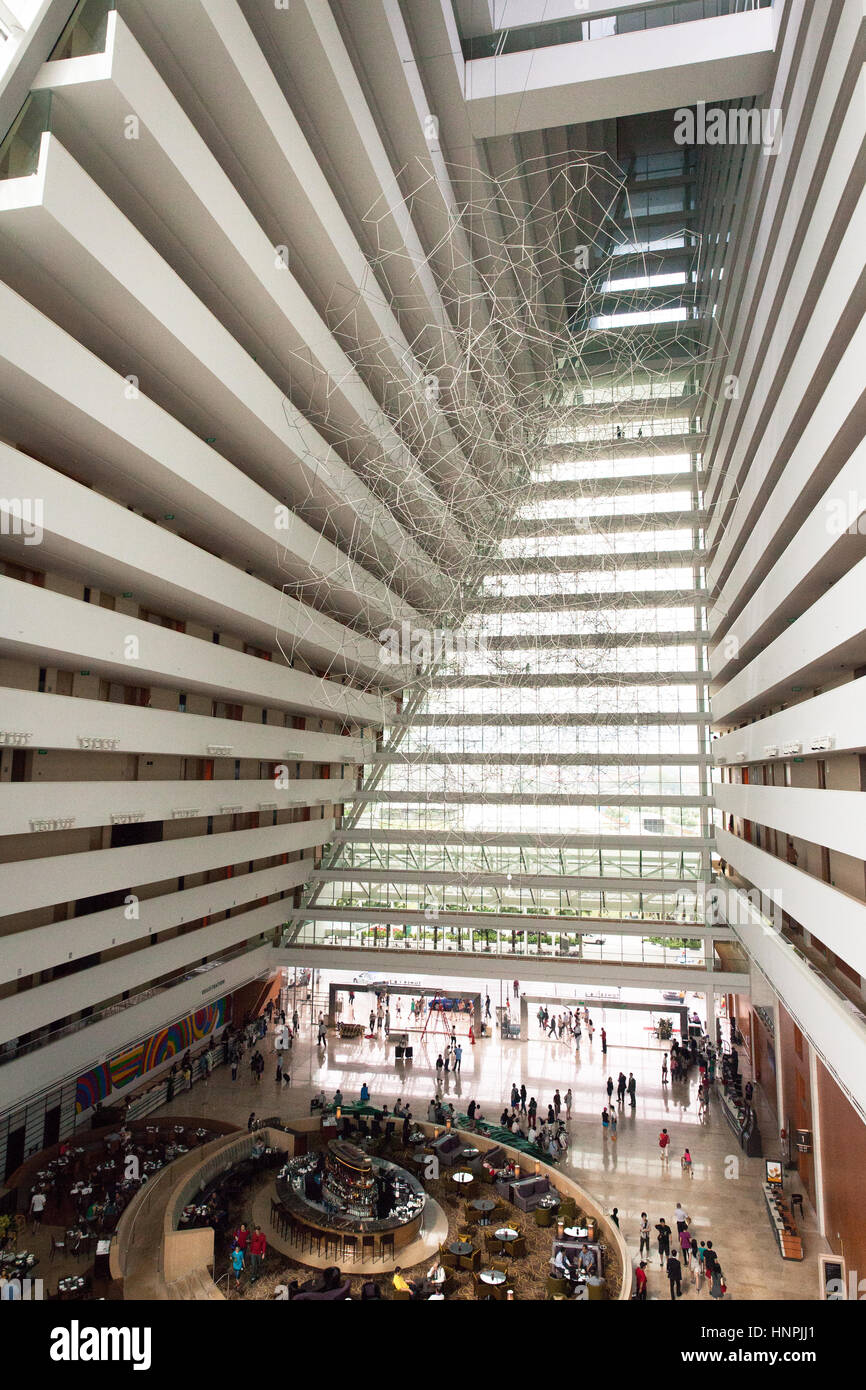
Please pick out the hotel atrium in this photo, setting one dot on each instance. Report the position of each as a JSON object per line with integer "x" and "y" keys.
{"x": 486, "y": 372}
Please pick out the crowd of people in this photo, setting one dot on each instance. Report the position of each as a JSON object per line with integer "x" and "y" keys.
{"x": 682, "y": 1257}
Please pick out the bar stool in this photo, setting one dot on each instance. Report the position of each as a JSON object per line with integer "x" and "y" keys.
{"x": 386, "y": 1247}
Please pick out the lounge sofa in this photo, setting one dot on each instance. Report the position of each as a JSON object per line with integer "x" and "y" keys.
{"x": 448, "y": 1148}
{"x": 490, "y": 1159}
{"x": 527, "y": 1192}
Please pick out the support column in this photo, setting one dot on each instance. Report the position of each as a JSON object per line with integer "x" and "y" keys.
{"x": 817, "y": 1163}
{"x": 780, "y": 1089}
{"x": 710, "y": 1005}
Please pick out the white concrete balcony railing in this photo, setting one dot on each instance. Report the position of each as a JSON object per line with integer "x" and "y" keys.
{"x": 258, "y": 292}
{"x": 834, "y": 1026}
{"x": 37, "y": 806}
{"x": 830, "y": 540}
{"x": 499, "y": 962}
{"x": 835, "y": 819}
{"x": 762, "y": 347}
{"x": 45, "y": 627}
{"x": 42, "y": 948}
{"x": 835, "y": 918}
{"x": 34, "y": 720}
{"x": 838, "y": 714}
{"x": 654, "y": 69}
{"x": 83, "y": 532}
{"x": 63, "y": 878}
{"x": 828, "y": 638}
{"x": 183, "y": 354}
{"x": 42, "y": 1068}
{"x": 550, "y": 923}
{"x": 43, "y": 368}
{"x": 39, "y": 1007}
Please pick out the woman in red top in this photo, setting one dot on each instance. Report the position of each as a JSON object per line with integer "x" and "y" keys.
{"x": 640, "y": 1281}
{"x": 242, "y": 1235}
{"x": 664, "y": 1140}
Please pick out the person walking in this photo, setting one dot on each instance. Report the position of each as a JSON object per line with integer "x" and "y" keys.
{"x": 686, "y": 1247}
{"x": 644, "y": 1234}
{"x": 632, "y": 1090}
{"x": 603, "y": 1036}
{"x": 664, "y": 1141}
{"x": 605, "y": 1121}
{"x": 675, "y": 1276}
{"x": 718, "y": 1287}
{"x": 640, "y": 1282}
{"x": 234, "y": 1066}
{"x": 487, "y": 1006}
{"x": 681, "y": 1217}
{"x": 258, "y": 1248}
{"x": 568, "y": 1099}
{"x": 609, "y": 1090}
{"x": 620, "y": 1089}
{"x": 613, "y": 1123}
{"x": 663, "y": 1240}
{"x": 237, "y": 1259}
{"x": 557, "y": 1103}
{"x": 296, "y": 1021}
{"x": 665, "y": 1070}
{"x": 516, "y": 989}
{"x": 590, "y": 1029}
{"x": 458, "y": 1057}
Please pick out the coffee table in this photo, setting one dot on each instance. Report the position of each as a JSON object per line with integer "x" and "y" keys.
{"x": 492, "y": 1276}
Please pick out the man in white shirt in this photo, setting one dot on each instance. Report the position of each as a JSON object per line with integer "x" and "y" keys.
{"x": 37, "y": 1207}
{"x": 681, "y": 1218}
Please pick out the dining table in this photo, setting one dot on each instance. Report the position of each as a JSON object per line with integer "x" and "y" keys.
{"x": 492, "y": 1276}
{"x": 461, "y": 1247}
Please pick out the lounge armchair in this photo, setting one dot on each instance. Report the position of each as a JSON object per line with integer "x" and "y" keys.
{"x": 326, "y": 1295}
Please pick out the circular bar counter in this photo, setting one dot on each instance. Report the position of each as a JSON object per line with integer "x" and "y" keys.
{"x": 345, "y": 1191}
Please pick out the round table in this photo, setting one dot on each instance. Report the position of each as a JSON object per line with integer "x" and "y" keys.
{"x": 462, "y": 1176}
{"x": 461, "y": 1247}
{"x": 485, "y": 1206}
{"x": 470, "y": 1154}
{"x": 577, "y": 1232}
{"x": 492, "y": 1276}
{"x": 506, "y": 1235}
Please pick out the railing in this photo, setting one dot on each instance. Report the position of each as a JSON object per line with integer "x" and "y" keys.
{"x": 85, "y": 33}
{"x": 19, "y": 152}
{"x": 10, "y": 1053}
{"x": 636, "y": 951}
{"x": 603, "y": 26}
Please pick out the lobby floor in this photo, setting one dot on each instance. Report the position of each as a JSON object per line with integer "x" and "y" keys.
{"x": 723, "y": 1197}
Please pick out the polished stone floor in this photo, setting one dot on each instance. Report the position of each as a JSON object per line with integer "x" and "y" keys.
{"x": 723, "y": 1197}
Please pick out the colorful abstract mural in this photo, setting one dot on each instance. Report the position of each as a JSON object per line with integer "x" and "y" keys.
{"x": 127, "y": 1066}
